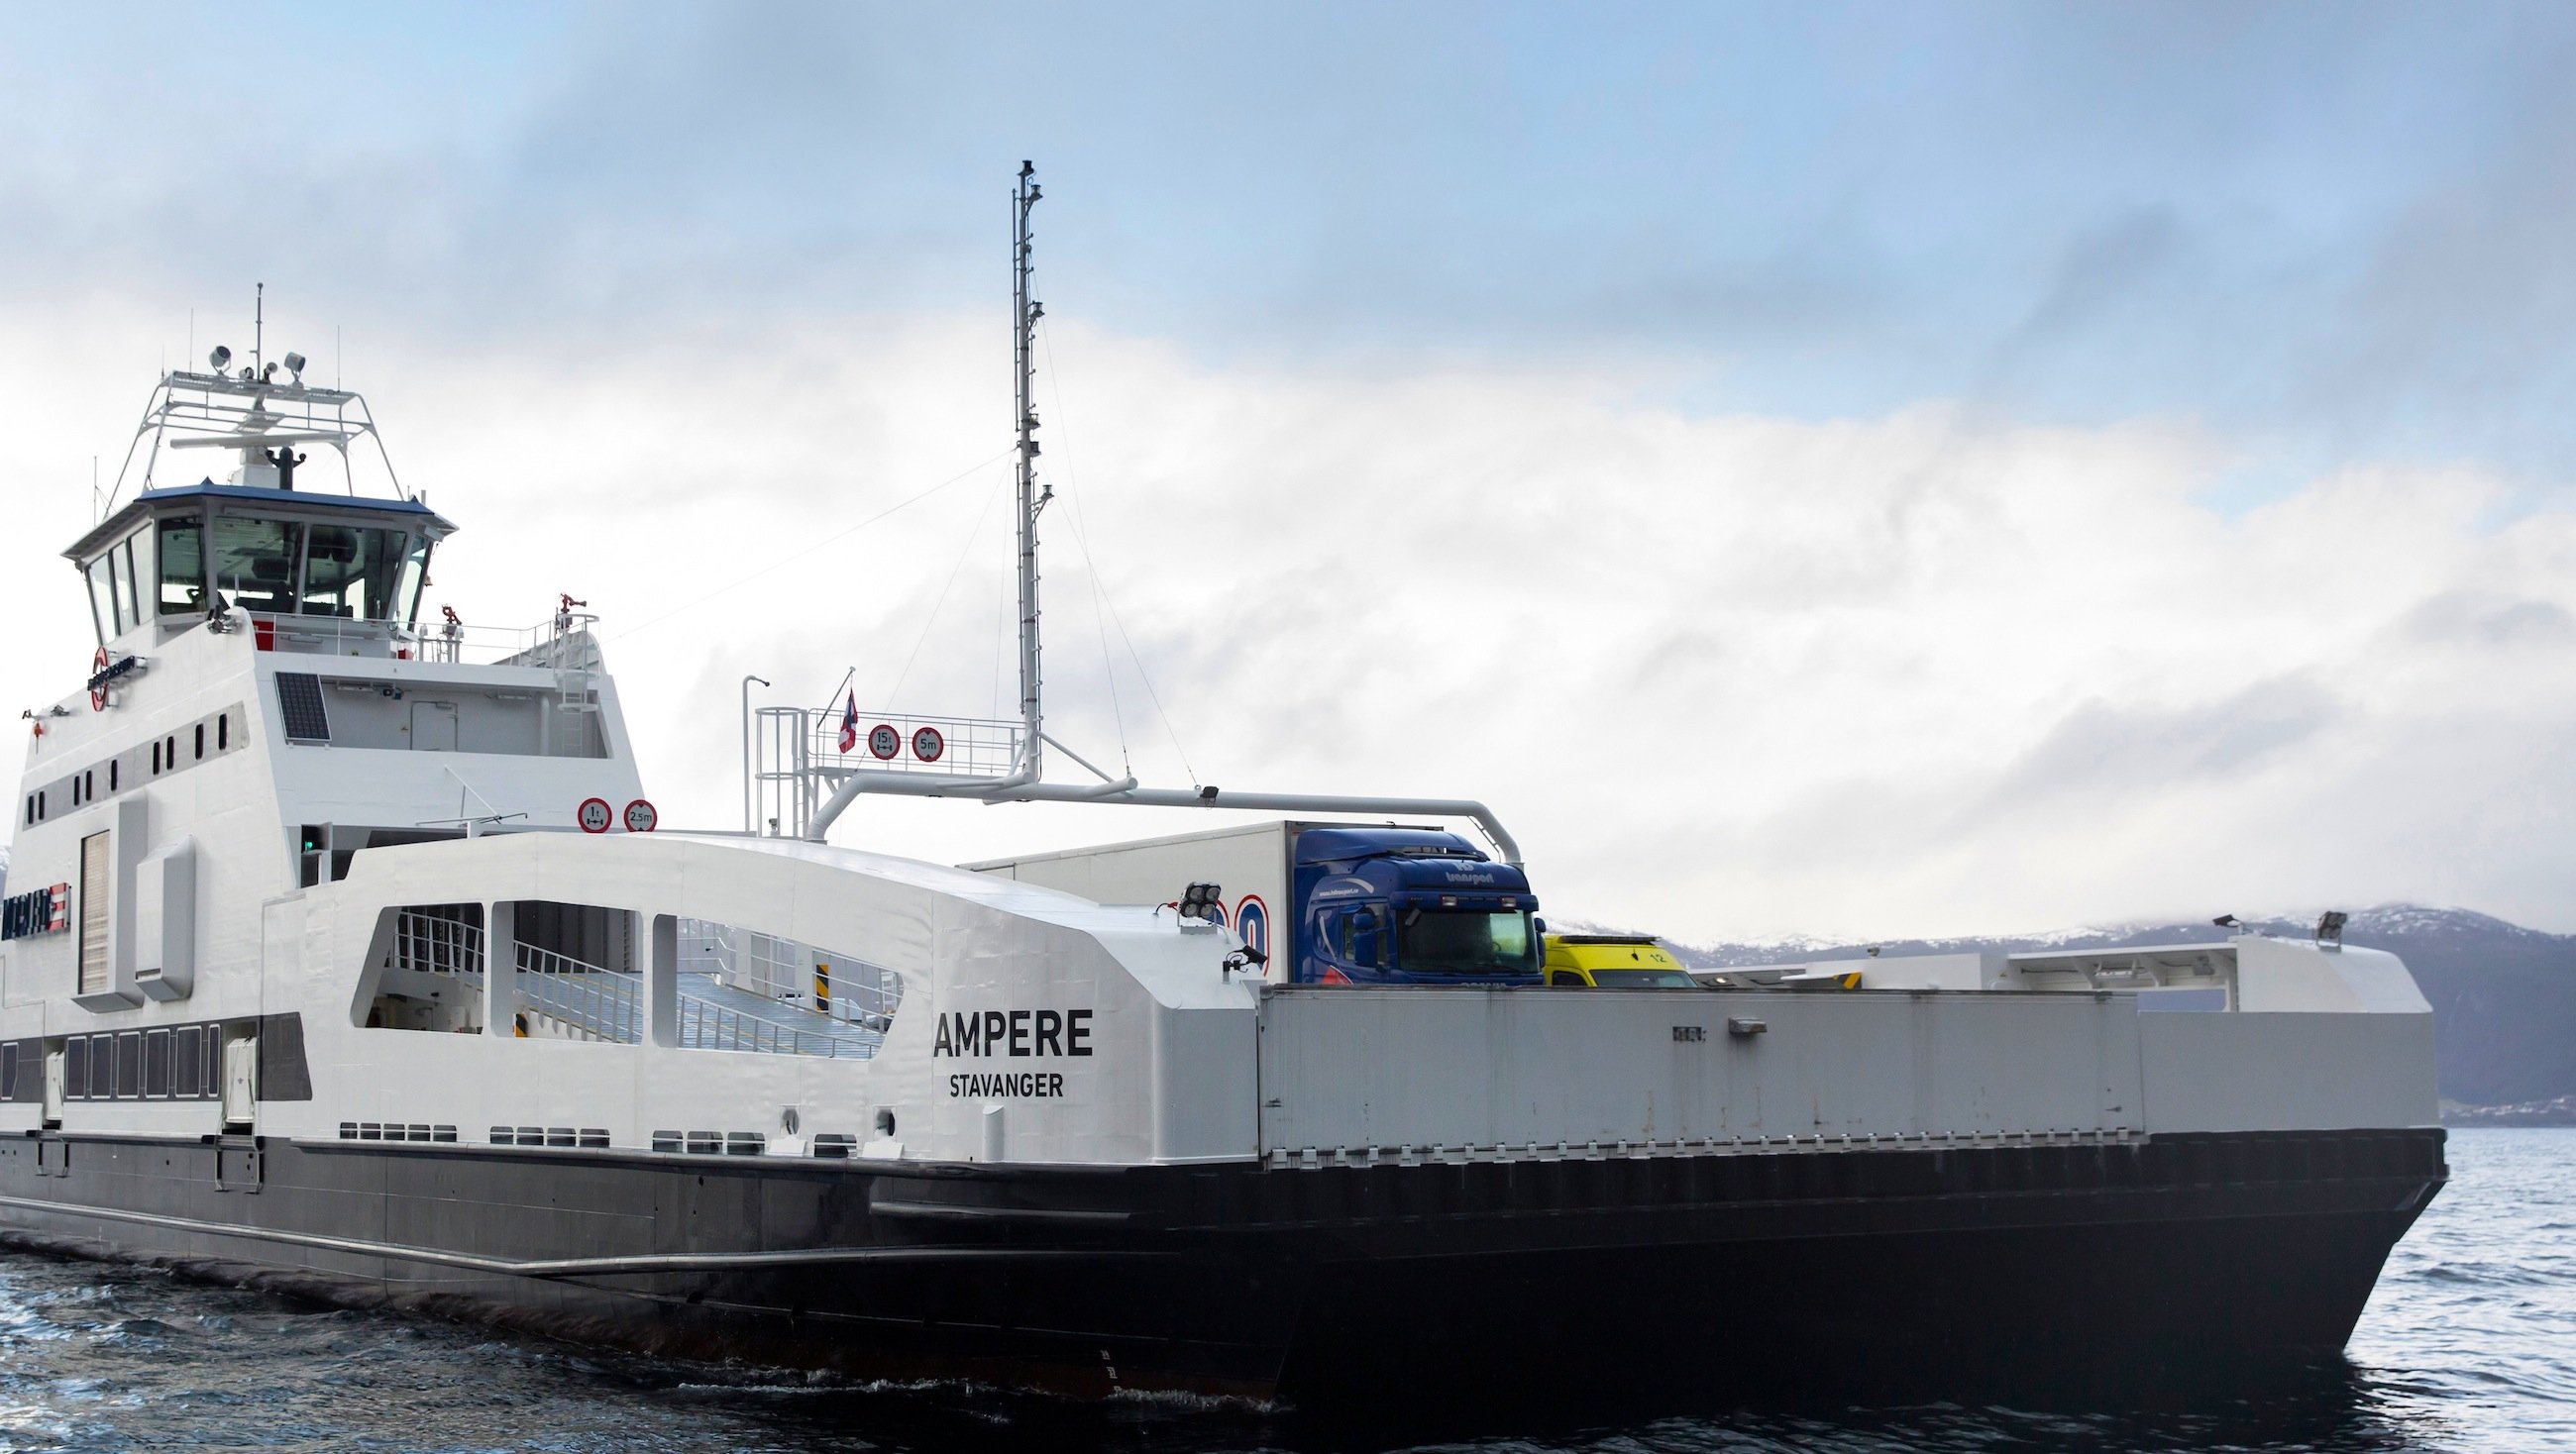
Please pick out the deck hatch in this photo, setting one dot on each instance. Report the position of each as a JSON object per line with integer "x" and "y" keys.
{"x": 299, "y": 701}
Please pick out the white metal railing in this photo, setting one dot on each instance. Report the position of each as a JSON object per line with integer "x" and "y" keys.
{"x": 706, "y": 1025}
{"x": 909, "y": 742}
{"x": 552, "y": 644}
{"x": 435, "y": 944}
{"x": 607, "y": 1003}
{"x": 555, "y": 643}
{"x": 792, "y": 974}
{"x": 333, "y": 635}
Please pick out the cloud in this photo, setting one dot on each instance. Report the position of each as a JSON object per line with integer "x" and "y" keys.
{"x": 2472, "y": 618}
{"x": 1787, "y": 501}
{"x": 2104, "y": 751}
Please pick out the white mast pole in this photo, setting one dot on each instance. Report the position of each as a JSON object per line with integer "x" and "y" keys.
{"x": 1025, "y": 314}
{"x": 1022, "y": 784}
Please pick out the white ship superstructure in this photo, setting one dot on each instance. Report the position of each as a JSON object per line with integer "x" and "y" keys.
{"x": 347, "y": 951}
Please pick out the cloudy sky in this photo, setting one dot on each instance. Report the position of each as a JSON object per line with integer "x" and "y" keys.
{"x": 1861, "y": 470}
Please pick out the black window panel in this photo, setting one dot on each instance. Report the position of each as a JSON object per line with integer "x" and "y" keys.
{"x": 188, "y": 1076}
{"x": 223, "y": 732}
{"x": 183, "y": 567}
{"x": 213, "y": 1084}
{"x": 102, "y": 1067}
{"x": 254, "y": 563}
{"x": 9, "y": 1070}
{"x": 76, "y": 1068}
{"x": 299, "y": 701}
{"x": 129, "y": 1065}
{"x": 156, "y": 1064}
{"x": 112, "y": 776}
{"x": 201, "y": 740}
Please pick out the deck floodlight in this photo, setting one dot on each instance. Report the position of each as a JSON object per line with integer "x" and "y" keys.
{"x": 295, "y": 366}
{"x": 1200, "y": 901}
{"x": 220, "y": 357}
{"x": 268, "y": 373}
{"x": 2330, "y": 928}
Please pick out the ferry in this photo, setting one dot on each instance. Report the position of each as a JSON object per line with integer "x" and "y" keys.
{"x": 343, "y": 952}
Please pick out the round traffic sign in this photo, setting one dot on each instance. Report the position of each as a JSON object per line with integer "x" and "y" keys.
{"x": 593, "y": 815}
{"x": 927, "y": 744}
{"x": 884, "y": 742}
{"x": 640, "y": 817}
{"x": 98, "y": 694}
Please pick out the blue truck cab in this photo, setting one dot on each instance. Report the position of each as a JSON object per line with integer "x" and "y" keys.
{"x": 1410, "y": 906}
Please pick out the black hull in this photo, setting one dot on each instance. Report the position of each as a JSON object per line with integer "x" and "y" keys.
{"x": 1322, "y": 1285}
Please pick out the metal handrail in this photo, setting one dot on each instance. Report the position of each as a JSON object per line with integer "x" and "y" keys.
{"x": 432, "y": 944}
{"x": 783, "y": 970}
{"x": 607, "y": 1003}
{"x": 705, "y": 1025}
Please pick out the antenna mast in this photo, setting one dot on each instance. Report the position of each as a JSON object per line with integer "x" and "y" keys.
{"x": 1025, "y": 315}
{"x": 936, "y": 774}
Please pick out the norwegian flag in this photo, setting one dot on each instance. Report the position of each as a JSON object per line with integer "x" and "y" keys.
{"x": 850, "y": 722}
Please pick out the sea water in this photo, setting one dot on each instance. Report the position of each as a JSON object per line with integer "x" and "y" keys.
{"x": 2469, "y": 1344}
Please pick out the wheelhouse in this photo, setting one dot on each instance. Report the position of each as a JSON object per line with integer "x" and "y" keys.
{"x": 173, "y": 556}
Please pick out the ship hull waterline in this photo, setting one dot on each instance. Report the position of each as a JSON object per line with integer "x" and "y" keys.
{"x": 1319, "y": 1286}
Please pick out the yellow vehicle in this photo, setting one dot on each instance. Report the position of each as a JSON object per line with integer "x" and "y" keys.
{"x": 1614, "y": 961}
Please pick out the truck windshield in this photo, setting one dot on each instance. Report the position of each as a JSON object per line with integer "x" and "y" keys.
{"x": 1456, "y": 942}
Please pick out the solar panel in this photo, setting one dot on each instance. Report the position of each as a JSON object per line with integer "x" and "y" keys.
{"x": 299, "y": 697}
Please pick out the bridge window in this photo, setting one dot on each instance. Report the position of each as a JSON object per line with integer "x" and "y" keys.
{"x": 415, "y": 575}
{"x": 120, "y": 587}
{"x": 255, "y": 563}
{"x": 102, "y": 597}
{"x": 356, "y": 572}
{"x": 182, "y": 548}
{"x": 134, "y": 561}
